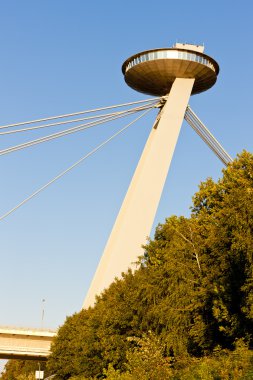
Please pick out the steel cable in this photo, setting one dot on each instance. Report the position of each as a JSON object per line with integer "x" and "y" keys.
{"x": 77, "y": 113}
{"x": 73, "y": 166}
{"x": 207, "y": 136}
{"x": 78, "y": 128}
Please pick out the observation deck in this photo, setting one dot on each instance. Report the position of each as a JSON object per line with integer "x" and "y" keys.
{"x": 153, "y": 72}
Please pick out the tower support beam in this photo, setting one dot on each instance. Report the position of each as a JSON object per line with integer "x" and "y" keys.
{"x": 136, "y": 216}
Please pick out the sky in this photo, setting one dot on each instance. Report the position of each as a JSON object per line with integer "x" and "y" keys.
{"x": 61, "y": 57}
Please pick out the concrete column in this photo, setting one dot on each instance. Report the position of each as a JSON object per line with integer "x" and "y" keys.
{"x": 136, "y": 216}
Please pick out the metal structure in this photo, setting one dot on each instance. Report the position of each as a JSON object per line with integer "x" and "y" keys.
{"x": 174, "y": 74}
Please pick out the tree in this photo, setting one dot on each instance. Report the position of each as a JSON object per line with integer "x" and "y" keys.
{"x": 193, "y": 290}
{"x": 145, "y": 361}
{"x": 225, "y": 213}
{"x": 22, "y": 369}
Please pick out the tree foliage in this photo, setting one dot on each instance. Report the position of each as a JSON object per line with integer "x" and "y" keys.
{"x": 146, "y": 362}
{"x": 22, "y": 369}
{"x": 193, "y": 291}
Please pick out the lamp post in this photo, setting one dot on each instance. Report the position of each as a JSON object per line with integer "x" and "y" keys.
{"x": 42, "y": 312}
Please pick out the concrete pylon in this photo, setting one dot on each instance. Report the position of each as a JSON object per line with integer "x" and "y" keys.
{"x": 137, "y": 213}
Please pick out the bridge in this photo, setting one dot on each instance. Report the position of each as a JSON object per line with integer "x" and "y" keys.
{"x": 173, "y": 75}
{"x": 25, "y": 343}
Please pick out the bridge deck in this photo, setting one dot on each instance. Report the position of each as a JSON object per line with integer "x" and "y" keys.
{"x": 25, "y": 343}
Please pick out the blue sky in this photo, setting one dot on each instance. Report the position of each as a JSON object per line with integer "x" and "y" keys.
{"x": 66, "y": 56}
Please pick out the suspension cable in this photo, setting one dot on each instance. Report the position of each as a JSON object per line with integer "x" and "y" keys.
{"x": 207, "y": 136}
{"x": 71, "y": 130}
{"x": 77, "y": 113}
{"x": 219, "y": 153}
{"x": 73, "y": 166}
{"x": 70, "y": 121}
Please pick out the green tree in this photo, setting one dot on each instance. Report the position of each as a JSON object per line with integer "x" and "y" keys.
{"x": 22, "y": 369}
{"x": 224, "y": 212}
{"x": 194, "y": 288}
{"x": 145, "y": 361}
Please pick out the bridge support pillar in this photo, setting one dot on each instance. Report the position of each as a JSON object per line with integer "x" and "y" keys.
{"x": 136, "y": 216}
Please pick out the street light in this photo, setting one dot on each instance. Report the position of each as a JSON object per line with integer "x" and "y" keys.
{"x": 42, "y": 312}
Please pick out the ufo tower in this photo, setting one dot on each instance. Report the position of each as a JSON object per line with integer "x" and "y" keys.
{"x": 174, "y": 74}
